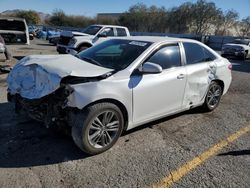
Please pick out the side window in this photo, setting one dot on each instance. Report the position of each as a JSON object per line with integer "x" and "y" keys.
{"x": 196, "y": 53}
{"x": 209, "y": 56}
{"x": 109, "y": 32}
{"x": 167, "y": 57}
{"x": 121, "y": 32}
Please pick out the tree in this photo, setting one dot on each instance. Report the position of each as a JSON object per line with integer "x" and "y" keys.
{"x": 245, "y": 27}
{"x": 226, "y": 21}
{"x": 204, "y": 16}
{"x": 31, "y": 17}
{"x": 179, "y": 19}
{"x": 141, "y": 18}
{"x": 58, "y": 18}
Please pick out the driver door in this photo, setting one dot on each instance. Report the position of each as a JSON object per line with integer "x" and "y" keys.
{"x": 156, "y": 95}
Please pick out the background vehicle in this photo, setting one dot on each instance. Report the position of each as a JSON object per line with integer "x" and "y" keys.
{"x": 238, "y": 48}
{"x": 117, "y": 85}
{"x": 74, "y": 42}
{"x": 2, "y": 49}
{"x": 14, "y": 30}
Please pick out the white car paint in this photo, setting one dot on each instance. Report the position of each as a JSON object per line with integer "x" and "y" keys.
{"x": 42, "y": 74}
{"x": 146, "y": 98}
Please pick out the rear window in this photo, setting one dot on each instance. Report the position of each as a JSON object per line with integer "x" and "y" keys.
{"x": 121, "y": 32}
{"x": 12, "y": 25}
{"x": 197, "y": 54}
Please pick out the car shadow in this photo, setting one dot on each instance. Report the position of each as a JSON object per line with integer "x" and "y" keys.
{"x": 197, "y": 110}
{"x": 241, "y": 66}
{"x": 27, "y": 143}
{"x": 235, "y": 153}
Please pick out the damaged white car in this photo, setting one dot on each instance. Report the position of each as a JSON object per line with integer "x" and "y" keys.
{"x": 118, "y": 85}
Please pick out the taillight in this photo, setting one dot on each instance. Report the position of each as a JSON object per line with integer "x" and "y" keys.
{"x": 230, "y": 66}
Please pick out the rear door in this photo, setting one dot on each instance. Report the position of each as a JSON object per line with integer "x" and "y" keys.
{"x": 201, "y": 69}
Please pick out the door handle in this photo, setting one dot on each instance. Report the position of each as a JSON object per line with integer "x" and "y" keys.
{"x": 180, "y": 77}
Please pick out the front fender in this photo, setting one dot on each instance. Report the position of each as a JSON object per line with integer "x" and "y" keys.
{"x": 87, "y": 93}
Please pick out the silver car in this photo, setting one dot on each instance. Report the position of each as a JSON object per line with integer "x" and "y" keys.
{"x": 118, "y": 85}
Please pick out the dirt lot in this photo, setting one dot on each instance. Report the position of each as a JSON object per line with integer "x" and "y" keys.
{"x": 32, "y": 156}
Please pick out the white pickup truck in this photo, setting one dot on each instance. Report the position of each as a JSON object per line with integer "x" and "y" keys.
{"x": 74, "y": 42}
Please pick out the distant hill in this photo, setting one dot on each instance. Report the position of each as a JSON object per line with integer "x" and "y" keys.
{"x": 42, "y": 15}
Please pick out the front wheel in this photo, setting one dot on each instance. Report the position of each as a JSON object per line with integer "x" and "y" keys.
{"x": 213, "y": 96}
{"x": 97, "y": 128}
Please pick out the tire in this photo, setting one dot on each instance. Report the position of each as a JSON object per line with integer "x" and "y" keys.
{"x": 82, "y": 48}
{"x": 213, "y": 97}
{"x": 93, "y": 137}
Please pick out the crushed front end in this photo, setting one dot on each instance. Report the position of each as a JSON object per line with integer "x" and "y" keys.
{"x": 51, "y": 109}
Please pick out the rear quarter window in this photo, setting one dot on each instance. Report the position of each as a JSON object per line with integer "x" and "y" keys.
{"x": 196, "y": 53}
{"x": 121, "y": 32}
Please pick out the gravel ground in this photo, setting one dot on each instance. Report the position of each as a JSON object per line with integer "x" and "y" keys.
{"x": 33, "y": 156}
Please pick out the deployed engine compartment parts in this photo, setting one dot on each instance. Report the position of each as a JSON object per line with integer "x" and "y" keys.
{"x": 14, "y": 30}
{"x": 74, "y": 42}
{"x": 117, "y": 85}
{"x": 238, "y": 48}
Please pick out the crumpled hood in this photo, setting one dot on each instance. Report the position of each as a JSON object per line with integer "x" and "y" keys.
{"x": 36, "y": 76}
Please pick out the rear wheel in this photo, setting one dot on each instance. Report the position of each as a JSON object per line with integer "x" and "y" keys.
{"x": 213, "y": 96}
{"x": 97, "y": 128}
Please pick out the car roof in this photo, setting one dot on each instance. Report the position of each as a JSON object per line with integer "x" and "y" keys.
{"x": 154, "y": 39}
{"x": 108, "y": 26}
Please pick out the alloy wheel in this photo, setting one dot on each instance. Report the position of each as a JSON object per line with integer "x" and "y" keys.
{"x": 103, "y": 129}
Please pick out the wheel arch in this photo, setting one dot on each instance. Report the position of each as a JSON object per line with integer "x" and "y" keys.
{"x": 119, "y": 104}
{"x": 87, "y": 44}
{"x": 221, "y": 83}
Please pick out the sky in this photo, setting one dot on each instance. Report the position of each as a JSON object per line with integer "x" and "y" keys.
{"x": 92, "y": 7}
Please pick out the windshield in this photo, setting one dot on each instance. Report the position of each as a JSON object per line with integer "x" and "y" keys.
{"x": 241, "y": 42}
{"x": 92, "y": 30}
{"x": 114, "y": 54}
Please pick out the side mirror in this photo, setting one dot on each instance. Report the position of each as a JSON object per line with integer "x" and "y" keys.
{"x": 152, "y": 68}
{"x": 102, "y": 35}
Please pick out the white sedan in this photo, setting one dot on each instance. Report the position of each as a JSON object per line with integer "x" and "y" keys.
{"x": 118, "y": 85}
